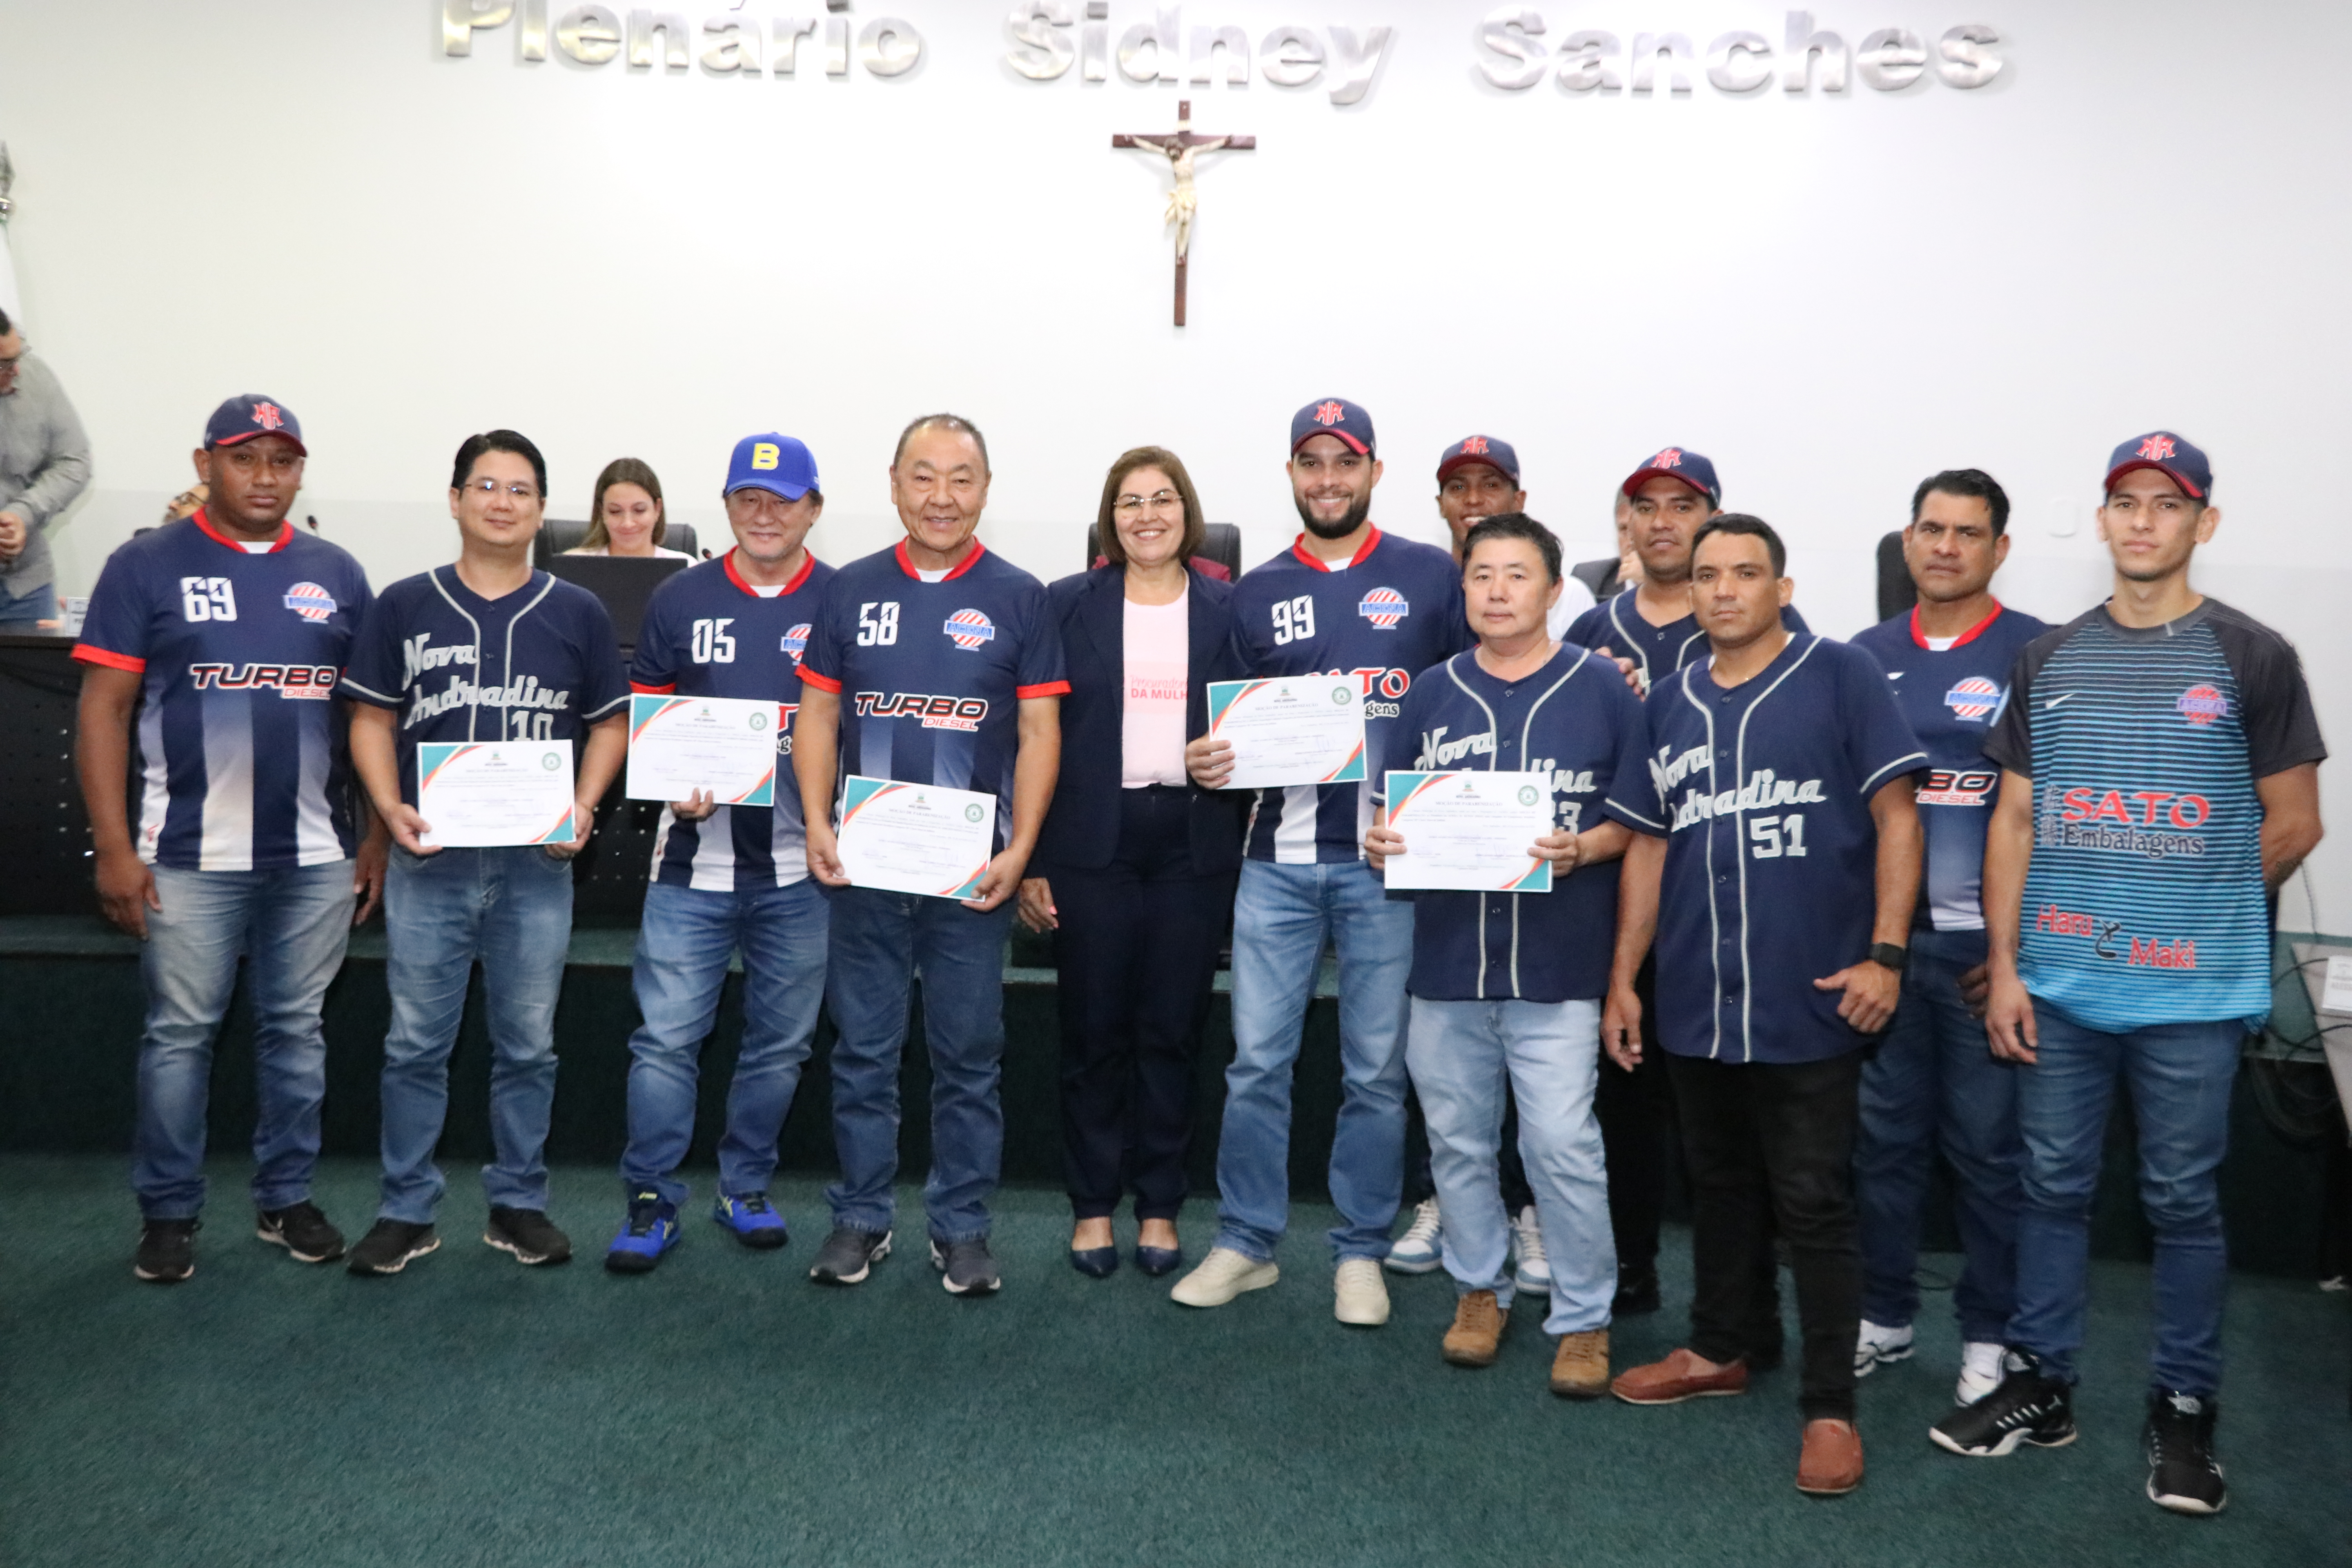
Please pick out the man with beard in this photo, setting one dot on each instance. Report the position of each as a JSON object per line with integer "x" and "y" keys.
{"x": 1344, "y": 597}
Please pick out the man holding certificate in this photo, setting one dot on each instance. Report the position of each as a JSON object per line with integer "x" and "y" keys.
{"x": 1511, "y": 962}
{"x": 477, "y": 686}
{"x": 930, "y": 711}
{"x": 1346, "y": 612}
{"x": 714, "y": 684}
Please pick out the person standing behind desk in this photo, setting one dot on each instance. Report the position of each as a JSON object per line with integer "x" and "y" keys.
{"x": 1135, "y": 866}
{"x": 728, "y": 876}
{"x": 628, "y": 516}
{"x": 483, "y": 649}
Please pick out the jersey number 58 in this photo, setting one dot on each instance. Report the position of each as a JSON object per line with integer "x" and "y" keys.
{"x": 877, "y": 629}
{"x": 1293, "y": 620}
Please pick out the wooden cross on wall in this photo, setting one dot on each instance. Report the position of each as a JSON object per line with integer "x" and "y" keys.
{"x": 1179, "y": 150}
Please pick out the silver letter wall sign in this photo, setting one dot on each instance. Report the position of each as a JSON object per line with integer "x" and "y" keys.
{"x": 1512, "y": 57}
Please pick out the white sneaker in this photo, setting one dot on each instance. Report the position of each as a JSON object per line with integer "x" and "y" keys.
{"x": 1980, "y": 1371}
{"x": 1416, "y": 1251}
{"x": 1222, "y": 1274}
{"x": 1879, "y": 1344}
{"x": 1361, "y": 1295}
{"x": 1534, "y": 1272}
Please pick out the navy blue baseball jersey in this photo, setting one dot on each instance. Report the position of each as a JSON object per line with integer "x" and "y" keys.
{"x": 709, "y": 633}
{"x": 2144, "y": 900}
{"x": 1393, "y": 609}
{"x": 1656, "y": 651}
{"x": 1574, "y": 719}
{"x": 931, "y": 675}
{"x": 241, "y": 746}
{"x": 1762, "y": 793}
{"x": 538, "y": 664}
{"x": 1950, "y": 697}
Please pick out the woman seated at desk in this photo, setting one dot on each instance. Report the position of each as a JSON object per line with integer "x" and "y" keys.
{"x": 627, "y": 517}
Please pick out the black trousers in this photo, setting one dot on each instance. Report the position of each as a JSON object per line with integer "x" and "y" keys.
{"x": 1137, "y": 947}
{"x": 1636, "y": 1113}
{"x": 1768, "y": 1142}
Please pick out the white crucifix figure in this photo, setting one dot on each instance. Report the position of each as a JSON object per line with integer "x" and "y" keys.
{"x": 1182, "y": 201}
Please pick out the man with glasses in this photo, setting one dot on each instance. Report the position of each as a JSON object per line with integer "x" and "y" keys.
{"x": 728, "y": 876}
{"x": 485, "y": 649}
{"x": 43, "y": 464}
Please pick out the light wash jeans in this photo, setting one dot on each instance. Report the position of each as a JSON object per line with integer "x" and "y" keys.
{"x": 291, "y": 928}
{"x": 880, "y": 941}
{"x": 2180, "y": 1077}
{"x": 20, "y": 614}
{"x": 684, "y": 942}
{"x": 1281, "y": 916}
{"x": 1460, "y": 1053}
{"x": 511, "y": 908}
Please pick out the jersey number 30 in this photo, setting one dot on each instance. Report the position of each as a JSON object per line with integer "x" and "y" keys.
{"x": 1773, "y": 836}
{"x": 1293, "y": 620}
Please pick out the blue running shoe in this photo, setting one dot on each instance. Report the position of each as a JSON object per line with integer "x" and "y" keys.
{"x": 650, "y": 1230}
{"x": 753, "y": 1221}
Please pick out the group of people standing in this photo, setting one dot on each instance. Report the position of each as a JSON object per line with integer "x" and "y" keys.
{"x": 1818, "y": 908}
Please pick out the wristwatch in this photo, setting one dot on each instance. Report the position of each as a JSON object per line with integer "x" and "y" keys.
{"x": 1889, "y": 955}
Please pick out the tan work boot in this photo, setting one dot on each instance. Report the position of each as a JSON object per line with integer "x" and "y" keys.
{"x": 1477, "y": 1331}
{"x": 1580, "y": 1368}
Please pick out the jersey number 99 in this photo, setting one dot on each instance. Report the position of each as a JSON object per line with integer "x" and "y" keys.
{"x": 1293, "y": 620}
{"x": 710, "y": 644}
{"x": 877, "y": 624}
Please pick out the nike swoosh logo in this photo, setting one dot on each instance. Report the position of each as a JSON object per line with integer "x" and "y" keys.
{"x": 2054, "y": 701}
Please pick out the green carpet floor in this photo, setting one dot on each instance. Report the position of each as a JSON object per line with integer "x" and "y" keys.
{"x": 726, "y": 1411}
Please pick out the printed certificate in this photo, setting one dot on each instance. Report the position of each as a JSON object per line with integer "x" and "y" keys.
{"x": 493, "y": 792}
{"x": 681, "y": 744}
{"x": 1470, "y": 830}
{"x": 915, "y": 838}
{"x": 1291, "y": 730}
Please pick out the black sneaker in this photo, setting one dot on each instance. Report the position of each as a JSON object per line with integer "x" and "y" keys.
{"x": 2026, "y": 1408}
{"x": 390, "y": 1246}
{"x": 2182, "y": 1473}
{"x": 848, "y": 1256}
{"x": 301, "y": 1230}
{"x": 966, "y": 1267}
{"x": 167, "y": 1250}
{"x": 1637, "y": 1293}
{"x": 528, "y": 1234}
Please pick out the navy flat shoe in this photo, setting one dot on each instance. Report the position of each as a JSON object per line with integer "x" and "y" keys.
{"x": 1094, "y": 1262}
{"x": 1157, "y": 1261}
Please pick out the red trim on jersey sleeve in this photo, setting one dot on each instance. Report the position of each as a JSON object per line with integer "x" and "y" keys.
{"x": 285, "y": 533}
{"x": 1371, "y": 543}
{"x": 1966, "y": 637}
{"x": 90, "y": 652}
{"x": 1051, "y": 689}
{"x": 821, "y": 682}
{"x": 641, "y": 689}
{"x": 907, "y": 563}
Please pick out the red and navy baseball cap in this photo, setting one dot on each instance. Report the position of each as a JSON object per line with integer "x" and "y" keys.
{"x": 772, "y": 462}
{"x": 1678, "y": 463}
{"x": 2167, "y": 454}
{"x": 248, "y": 415}
{"x": 1334, "y": 417}
{"x": 1497, "y": 455}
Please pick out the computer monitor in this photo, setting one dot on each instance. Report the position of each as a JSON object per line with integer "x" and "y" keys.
{"x": 622, "y": 581}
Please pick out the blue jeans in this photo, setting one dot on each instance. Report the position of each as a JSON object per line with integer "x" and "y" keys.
{"x": 510, "y": 907}
{"x": 1460, "y": 1053}
{"x": 291, "y": 928}
{"x": 18, "y": 614}
{"x": 1281, "y": 916}
{"x": 1934, "y": 1081}
{"x": 2180, "y": 1077}
{"x": 683, "y": 945}
{"x": 880, "y": 941}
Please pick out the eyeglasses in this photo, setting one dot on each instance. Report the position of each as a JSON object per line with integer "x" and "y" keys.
{"x": 489, "y": 488}
{"x": 1134, "y": 506}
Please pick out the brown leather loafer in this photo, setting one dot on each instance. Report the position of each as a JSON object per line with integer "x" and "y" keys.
{"x": 1477, "y": 1331}
{"x": 1580, "y": 1368}
{"x": 1684, "y": 1374}
{"x": 1830, "y": 1464}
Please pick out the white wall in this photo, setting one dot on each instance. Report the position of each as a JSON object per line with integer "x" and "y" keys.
{"x": 2140, "y": 222}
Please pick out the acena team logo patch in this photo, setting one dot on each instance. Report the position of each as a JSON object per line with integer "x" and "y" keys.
{"x": 968, "y": 629}
{"x": 1384, "y": 607}
{"x": 2200, "y": 705}
{"x": 309, "y": 601}
{"x": 1972, "y": 697}
{"x": 795, "y": 641}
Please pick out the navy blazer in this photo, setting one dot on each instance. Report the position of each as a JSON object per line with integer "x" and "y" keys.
{"x": 1082, "y": 825}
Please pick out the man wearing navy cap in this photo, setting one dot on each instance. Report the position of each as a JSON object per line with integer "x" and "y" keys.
{"x": 728, "y": 878}
{"x": 1345, "y": 597}
{"x": 2160, "y": 776}
{"x": 233, "y": 628}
